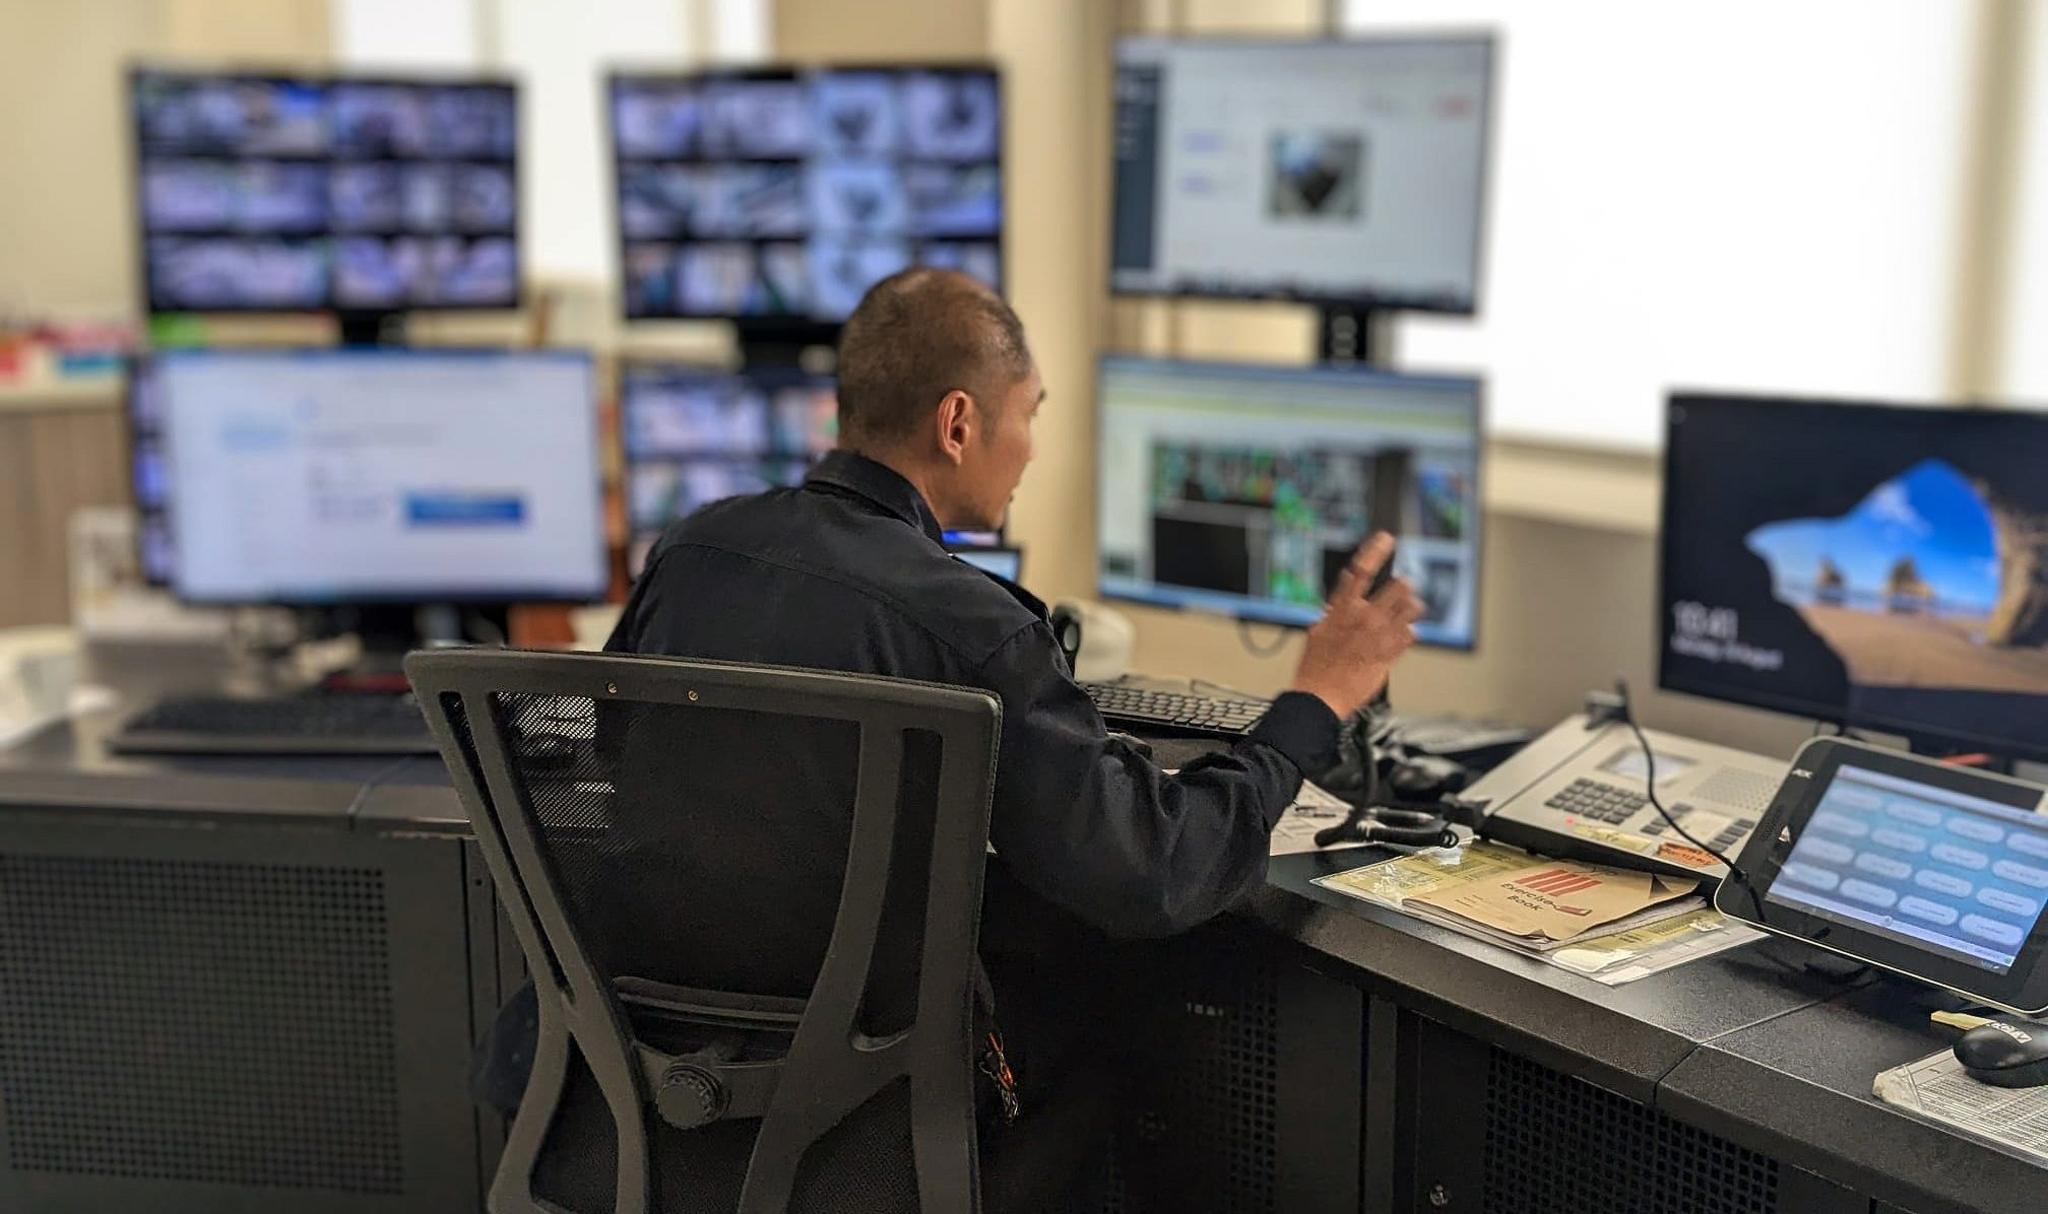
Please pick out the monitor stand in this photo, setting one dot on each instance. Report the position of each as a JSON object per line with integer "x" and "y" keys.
{"x": 371, "y": 328}
{"x": 768, "y": 343}
{"x": 1355, "y": 335}
{"x": 387, "y": 632}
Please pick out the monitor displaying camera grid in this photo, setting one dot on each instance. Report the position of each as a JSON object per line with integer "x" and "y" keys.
{"x": 271, "y": 193}
{"x": 787, "y": 194}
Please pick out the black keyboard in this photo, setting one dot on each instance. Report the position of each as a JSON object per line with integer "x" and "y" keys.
{"x": 1179, "y": 711}
{"x": 289, "y": 725}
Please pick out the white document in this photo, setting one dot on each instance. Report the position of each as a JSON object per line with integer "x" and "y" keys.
{"x": 1936, "y": 1089}
{"x": 1313, "y": 810}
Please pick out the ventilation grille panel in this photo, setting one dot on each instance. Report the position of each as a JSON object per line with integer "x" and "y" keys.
{"x": 1221, "y": 1120}
{"x": 198, "y": 1021}
{"x": 1739, "y": 789}
{"x": 1559, "y": 1145}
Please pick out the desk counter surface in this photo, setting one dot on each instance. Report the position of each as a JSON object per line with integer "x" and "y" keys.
{"x": 1778, "y": 1061}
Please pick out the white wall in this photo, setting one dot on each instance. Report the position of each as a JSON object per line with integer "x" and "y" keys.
{"x": 560, "y": 49}
{"x": 444, "y": 34}
{"x": 740, "y": 30}
{"x": 1744, "y": 194}
{"x": 2024, "y": 374}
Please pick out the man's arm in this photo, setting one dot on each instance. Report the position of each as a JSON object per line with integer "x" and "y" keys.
{"x": 1099, "y": 830}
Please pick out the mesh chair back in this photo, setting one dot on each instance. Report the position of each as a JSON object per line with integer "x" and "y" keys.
{"x": 749, "y": 900}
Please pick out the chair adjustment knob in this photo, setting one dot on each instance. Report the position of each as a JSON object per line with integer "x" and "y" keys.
{"x": 690, "y": 1097}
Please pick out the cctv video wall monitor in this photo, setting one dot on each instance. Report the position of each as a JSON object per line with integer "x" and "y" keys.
{"x": 695, "y": 436}
{"x": 1871, "y": 565}
{"x": 272, "y": 193}
{"x": 1243, "y": 490}
{"x": 334, "y": 477}
{"x": 1345, "y": 173}
{"x": 777, "y": 198}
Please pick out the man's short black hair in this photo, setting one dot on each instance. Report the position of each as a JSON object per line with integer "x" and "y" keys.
{"x": 917, "y": 335}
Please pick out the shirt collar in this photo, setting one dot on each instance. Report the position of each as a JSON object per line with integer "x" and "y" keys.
{"x": 880, "y": 484}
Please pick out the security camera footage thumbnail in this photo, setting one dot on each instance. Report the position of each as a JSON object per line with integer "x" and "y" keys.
{"x": 1317, "y": 175}
{"x": 694, "y": 436}
{"x": 1245, "y": 490}
{"x": 1880, "y": 566}
{"x": 271, "y": 193}
{"x": 782, "y": 194}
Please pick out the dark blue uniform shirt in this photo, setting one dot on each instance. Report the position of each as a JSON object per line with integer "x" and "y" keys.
{"x": 848, "y": 573}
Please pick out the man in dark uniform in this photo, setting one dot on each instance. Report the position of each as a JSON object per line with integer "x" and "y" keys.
{"x": 937, "y": 393}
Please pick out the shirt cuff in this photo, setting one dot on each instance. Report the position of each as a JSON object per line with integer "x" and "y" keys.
{"x": 1303, "y": 729}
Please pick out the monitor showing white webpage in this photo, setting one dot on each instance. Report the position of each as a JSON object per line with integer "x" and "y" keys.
{"x": 381, "y": 475}
{"x": 1343, "y": 172}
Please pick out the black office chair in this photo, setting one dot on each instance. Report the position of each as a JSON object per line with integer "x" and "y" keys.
{"x": 851, "y": 1087}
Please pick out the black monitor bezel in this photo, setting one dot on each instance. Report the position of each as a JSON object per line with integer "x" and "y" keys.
{"x": 786, "y": 328}
{"x": 493, "y": 597}
{"x": 1365, "y": 302}
{"x": 1477, "y": 383}
{"x": 1917, "y": 732}
{"x": 2023, "y": 988}
{"x": 135, "y": 366}
{"x": 330, "y": 305}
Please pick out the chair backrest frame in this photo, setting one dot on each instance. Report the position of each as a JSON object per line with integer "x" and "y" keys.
{"x": 832, "y": 1068}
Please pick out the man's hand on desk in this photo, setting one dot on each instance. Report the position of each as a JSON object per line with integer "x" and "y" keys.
{"x": 1353, "y": 647}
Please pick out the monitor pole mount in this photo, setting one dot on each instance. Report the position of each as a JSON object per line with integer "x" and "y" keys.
{"x": 1351, "y": 334}
{"x": 371, "y": 328}
{"x": 767, "y": 343}
{"x": 388, "y": 631}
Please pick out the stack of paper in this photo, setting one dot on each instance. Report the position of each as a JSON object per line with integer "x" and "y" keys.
{"x": 1936, "y": 1089}
{"x": 1546, "y": 904}
{"x": 1607, "y": 924}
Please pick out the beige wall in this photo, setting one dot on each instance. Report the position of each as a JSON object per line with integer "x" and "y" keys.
{"x": 1056, "y": 147}
{"x": 286, "y": 33}
{"x": 880, "y": 29}
{"x": 67, "y": 242}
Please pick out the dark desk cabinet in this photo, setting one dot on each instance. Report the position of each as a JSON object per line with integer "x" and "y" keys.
{"x": 218, "y": 996}
{"x": 1500, "y": 1085}
{"x": 1498, "y": 1132}
{"x": 1249, "y": 1097}
{"x": 236, "y": 986}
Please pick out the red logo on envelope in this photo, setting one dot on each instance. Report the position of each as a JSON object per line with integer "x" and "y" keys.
{"x": 1557, "y": 882}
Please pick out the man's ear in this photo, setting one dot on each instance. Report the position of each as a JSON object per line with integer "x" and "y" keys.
{"x": 955, "y": 424}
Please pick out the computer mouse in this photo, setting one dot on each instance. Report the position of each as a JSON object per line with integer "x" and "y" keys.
{"x": 1140, "y": 745}
{"x": 2005, "y": 1053}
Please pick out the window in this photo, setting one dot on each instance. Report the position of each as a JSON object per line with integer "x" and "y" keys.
{"x": 1743, "y": 195}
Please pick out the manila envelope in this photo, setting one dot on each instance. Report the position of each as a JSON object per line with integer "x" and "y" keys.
{"x": 1558, "y": 899}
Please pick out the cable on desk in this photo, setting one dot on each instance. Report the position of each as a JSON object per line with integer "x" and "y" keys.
{"x": 1254, "y": 647}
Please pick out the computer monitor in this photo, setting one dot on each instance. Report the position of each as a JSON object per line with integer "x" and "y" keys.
{"x": 1005, "y": 563}
{"x": 777, "y": 197}
{"x": 330, "y": 477}
{"x": 277, "y": 193}
{"x": 1244, "y": 489}
{"x": 695, "y": 435}
{"x": 1873, "y": 565}
{"x": 1347, "y": 173}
